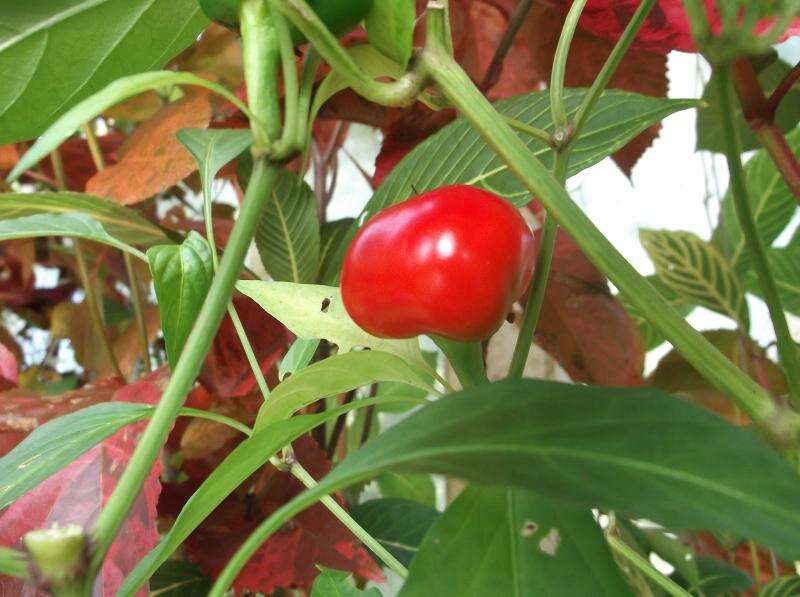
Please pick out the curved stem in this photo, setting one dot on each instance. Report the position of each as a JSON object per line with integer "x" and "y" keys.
{"x": 610, "y": 66}
{"x": 401, "y": 92}
{"x": 646, "y": 568}
{"x": 557, "y": 105}
{"x": 466, "y": 359}
{"x": 787, "y": 349}
{"x": 217, "y": 418}
{"x": 709, "y": 361}
{"x": 197, "y": 345}
{"x": 291, "y": 107}
{"x": 774, "y": 101}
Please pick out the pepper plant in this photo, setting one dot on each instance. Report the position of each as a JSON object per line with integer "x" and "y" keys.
{"x": 259, "y": 401}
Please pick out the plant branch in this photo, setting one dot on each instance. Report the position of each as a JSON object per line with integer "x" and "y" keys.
{"x": 709, "y": 361}
{"x": 133, "y": 277}
{"x": 787, "y": 349}
{"x": 646, "y": 568}
{"x": 534, "y": 132}
{"x": 784, "y": 87}
{"x": 189, "y": 363}
{"x": 559, "y": 72}
{"x": 401, "y": 92}
{"x": 496, "y": 65}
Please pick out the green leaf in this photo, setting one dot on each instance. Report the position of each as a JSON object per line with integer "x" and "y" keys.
{"x": 772, "y": 202}
{"x": 458, "y": 155}
{"x": 114, "y": 93}
{"x": 783, "y": 586}
{"x": 287, "y": 237}
{"x": 311, "y": 311}
{"x": 709, "y": 123}
{"x": 335, "y": 583}
{"x": 122, "y": 223}
{"x": 390, "y": 28}
{"x": 52, "y": 446}
{"x": 694, "y": 270}
{"x": 242, "y": 462}
{"x": 182, "y": 275}
{"x": 297, "y": 357}
{"x": 178, "y": 578}
{"x": 499, "y": 541}
{"x": 785, "y": 265}
{"x": 336, "y": 374}
{"x": 61, "y": 51}
{"x": 212, "y": 149}
{"x": 633, "y": 450}
{"x": 333, "y": 235}
{"x": 408, "y": 486}
{"x": 399, "y": 525}
{"x": 721, "y": 579}
{"x": 77, "y": 224}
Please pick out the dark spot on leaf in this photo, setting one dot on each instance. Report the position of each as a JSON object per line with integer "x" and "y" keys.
{"x": 529, "y": 528}
{"x": 325, "y": 304}
{"x": 511, "y": 317}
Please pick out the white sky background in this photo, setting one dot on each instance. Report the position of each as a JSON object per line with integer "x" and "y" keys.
{"x": 667, "y": 188}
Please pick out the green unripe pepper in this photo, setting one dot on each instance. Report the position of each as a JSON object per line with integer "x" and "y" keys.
{"x": 340, "y": 16}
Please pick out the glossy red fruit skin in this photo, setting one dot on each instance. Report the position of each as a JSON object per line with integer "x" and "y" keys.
{"x": 450, "y": 262}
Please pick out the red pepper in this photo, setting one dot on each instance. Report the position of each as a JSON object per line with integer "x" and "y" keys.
{"x": 450, "y": 262}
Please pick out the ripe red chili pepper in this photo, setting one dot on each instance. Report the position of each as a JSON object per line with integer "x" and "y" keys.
{"x": 450, "y": 262}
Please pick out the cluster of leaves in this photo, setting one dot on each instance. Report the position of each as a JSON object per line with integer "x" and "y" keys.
{"x": 541, "y": 455}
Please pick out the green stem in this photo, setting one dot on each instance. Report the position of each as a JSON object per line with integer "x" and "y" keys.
{"x": 260, "y": 55}
{"x": 188, "y": 367}
{"x": 646, "y": 568}
{"x": 466, "y": 359}
{"x": 557, "y": 106}
{"x": 787, "y": 349}
{"x": 709, "y": 361}
{"x": 257, "y": 538}
{"x": 255, "y": 366}
{"x": 217, "y": 418}
{"x": 610, "y": 66}
{"x": 138, "y": 310}
{"x": 401, "y": 92}
{"x": 535, "y": 298}
{"x": 534, "y": 132}
{"x": 291, "y": 106}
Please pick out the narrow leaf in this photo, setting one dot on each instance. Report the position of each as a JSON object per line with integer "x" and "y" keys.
{"x": 298, "y": 356}
{"x": 390, "y": 28}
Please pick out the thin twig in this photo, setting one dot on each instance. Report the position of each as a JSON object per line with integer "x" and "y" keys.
{"x": 774, "y": 101}
{"x": 496, "y": 65}
{"x": 338, "y": 427}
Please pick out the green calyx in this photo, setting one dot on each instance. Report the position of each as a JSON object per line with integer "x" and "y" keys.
{"x": 341, "y": 16}
{"x": 59, "y": 554}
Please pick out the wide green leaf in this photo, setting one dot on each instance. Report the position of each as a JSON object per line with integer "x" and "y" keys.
{"x": 242, "y": 462}
{"x": 632, "y": 450}
{"x": 287, "y": 237}
{"x": 501, "y": 541}
{"x": 399, "y": 525}
{"x": 77, "y": 224}
{"x": 54, "y": 53}
{"x": 772, "y": 202}
{"x": 334, "y": 375}
{"x": 783, "y": 586}
{"x": 122, "y": 223}
{"x": 311, "y": 311}
{"x": 336, "y": 583}
{"x": 182, "y": 275}
{"x": 114, "y": 93}
{"x": 390, "y": 28}
{"x": 58, "y": 442}
{"x": 458, "y": 155}
{"x": 785, "y": 265}
{"x": 696, "y": 271}
{"x": 709, "y": 121}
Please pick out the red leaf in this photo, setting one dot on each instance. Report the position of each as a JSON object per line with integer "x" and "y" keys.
{"x": 226, "y": 371}
{"x": 584, "y": 327}
{"x": 288, "y": 559}
{"x": 76, "y": 494}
